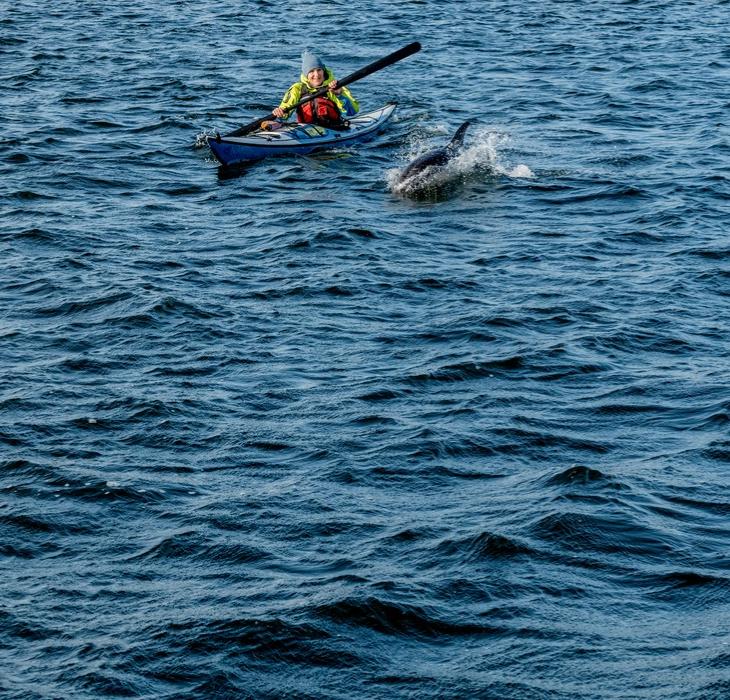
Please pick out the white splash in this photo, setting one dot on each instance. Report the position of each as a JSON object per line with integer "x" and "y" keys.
{"x": 201, "y": 140}
{"x": 521, "y": 171}
{"x": 484, "y": 158}
{"x": 487, "y": 149}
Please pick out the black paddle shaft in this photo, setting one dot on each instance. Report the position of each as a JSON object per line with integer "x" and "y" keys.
{"x": 357, "y": 75}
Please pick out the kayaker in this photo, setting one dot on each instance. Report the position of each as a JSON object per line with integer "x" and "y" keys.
{"x": 330, "y": 109}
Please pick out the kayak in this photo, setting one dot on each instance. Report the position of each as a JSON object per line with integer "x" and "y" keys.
{"x": 293, "y": 138}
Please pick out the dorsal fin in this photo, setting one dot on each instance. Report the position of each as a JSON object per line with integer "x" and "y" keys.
{"x": 458, "y": 140}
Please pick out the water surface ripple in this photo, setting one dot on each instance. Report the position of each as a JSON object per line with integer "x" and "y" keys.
{"x": 282, "y": 433}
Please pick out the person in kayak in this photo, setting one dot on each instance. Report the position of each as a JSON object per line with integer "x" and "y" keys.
{"x": 329, "y": 110}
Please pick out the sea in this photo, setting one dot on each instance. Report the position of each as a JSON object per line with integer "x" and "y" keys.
{"x": 288, "y": 432}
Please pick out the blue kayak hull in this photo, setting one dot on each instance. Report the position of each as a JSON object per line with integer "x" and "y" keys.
{"x": 297, "y": 138}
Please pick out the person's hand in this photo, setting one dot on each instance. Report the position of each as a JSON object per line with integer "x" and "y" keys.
{"x": 333, "y": 86}
{"x": 279, "y": 112}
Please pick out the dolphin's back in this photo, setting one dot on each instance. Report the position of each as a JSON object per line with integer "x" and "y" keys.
{"x": 437, "y": 157}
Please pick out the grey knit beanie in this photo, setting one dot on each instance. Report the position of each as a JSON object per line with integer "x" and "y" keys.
{"x": 310, "y": 61}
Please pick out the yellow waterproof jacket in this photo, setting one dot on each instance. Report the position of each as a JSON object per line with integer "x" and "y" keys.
{"x": 345, "y": 102}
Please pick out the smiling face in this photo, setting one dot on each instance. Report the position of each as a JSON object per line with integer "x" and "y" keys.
{"x": 315, "y": 77}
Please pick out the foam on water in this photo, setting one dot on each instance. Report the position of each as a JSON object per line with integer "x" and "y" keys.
{"x": 201, "y": 139}
{"x": 484, "y": 157}
{"x": 488, "y": 150}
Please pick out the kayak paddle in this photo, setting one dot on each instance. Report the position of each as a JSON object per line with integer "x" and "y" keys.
{"x": 367, "y": 70}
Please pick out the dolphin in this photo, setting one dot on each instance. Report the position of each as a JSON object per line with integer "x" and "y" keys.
{"x": 437, "y": 158}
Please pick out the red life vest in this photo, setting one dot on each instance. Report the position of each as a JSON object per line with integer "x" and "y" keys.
{"x": 320, "y": 110}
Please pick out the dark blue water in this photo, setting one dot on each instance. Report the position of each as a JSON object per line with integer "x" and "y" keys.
{"x": 284, "y": 433}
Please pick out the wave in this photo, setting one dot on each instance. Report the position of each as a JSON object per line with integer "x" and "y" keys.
{"x": 192, "y": 546}
{"x": 602, "y": 534}
{"x": 485, "y": 545}
{"x": 401, "y": 619}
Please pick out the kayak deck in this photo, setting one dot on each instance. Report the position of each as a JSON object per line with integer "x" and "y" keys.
{"x": 293, "y": 138}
